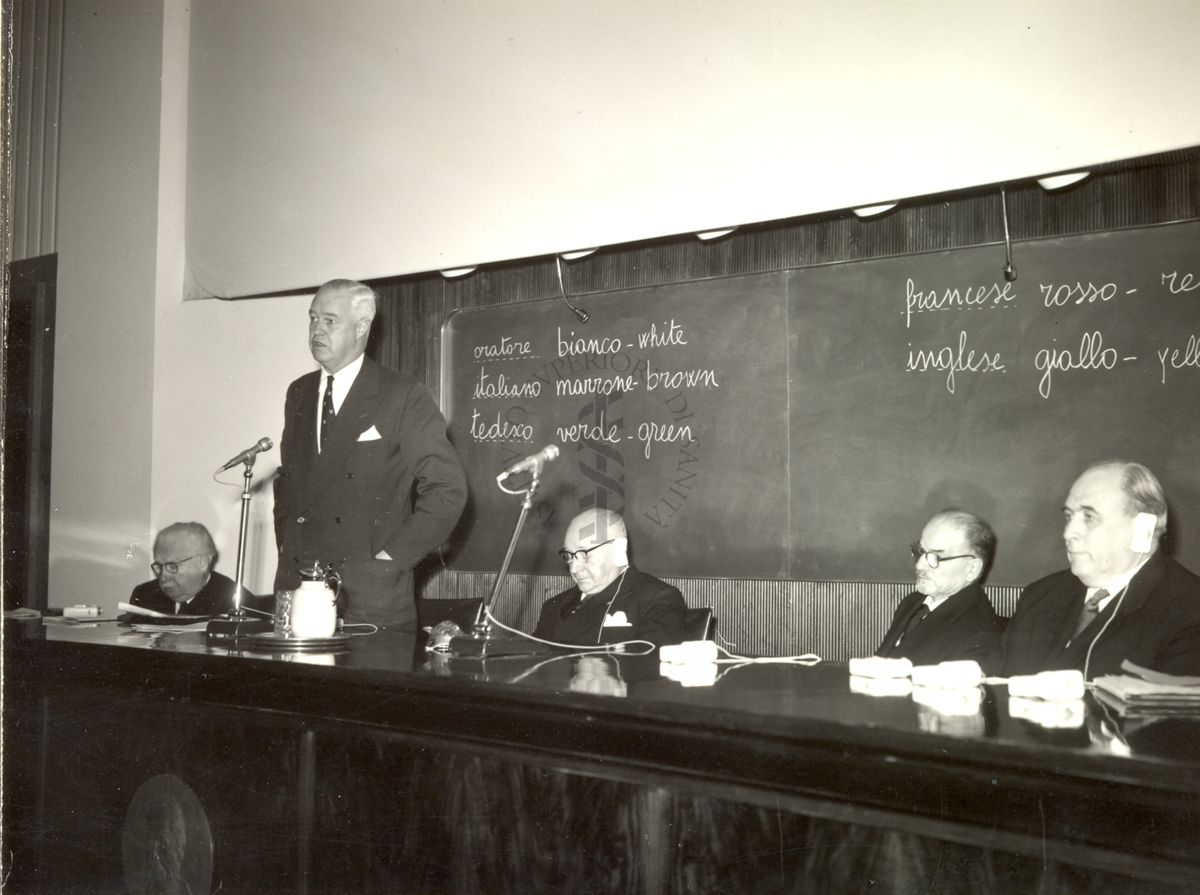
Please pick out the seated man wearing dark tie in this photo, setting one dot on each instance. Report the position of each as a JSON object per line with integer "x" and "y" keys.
{"x": 948, "y": 616}
{"x": 184, "y": 581}
{"x": 1122, "y": 599}
{"x": 611, "y": 601}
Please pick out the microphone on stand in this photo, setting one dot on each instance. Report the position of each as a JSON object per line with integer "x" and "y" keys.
{"x": 263, "y": 444}
{"x": 229, "y": 627}
{"x": 532, "y": 463}
{"x": 483, "y": 641}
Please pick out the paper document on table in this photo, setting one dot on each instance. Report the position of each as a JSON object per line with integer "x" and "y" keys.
{"x": 1160, "y": 677}
{"x": 182, "y": 628}
{"x": 1133, "y": 695}
{"x": 182, "y": 617}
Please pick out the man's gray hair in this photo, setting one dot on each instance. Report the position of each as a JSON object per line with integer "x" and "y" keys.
{"x": 600, "y": 524}
{"x": 193, "y": 531}
{"x": 977, "y": 532}
{"x": 364, "y": 300}
{"x": 1142, "y": 489}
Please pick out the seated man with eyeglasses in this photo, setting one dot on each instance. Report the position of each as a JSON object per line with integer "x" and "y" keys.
{"x": 611, "y": 601}
{"x": 948, "y": 617}
{"x": 184, "y": 581}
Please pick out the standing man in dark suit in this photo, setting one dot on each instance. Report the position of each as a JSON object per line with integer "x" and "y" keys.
{"x": 1122, "y": 599}
{"x": 368, "y": 481}
{"x": 948, "y": 616}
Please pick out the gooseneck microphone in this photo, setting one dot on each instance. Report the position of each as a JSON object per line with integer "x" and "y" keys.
{"x": 532, "y": 463}
{"x": 583, "y": 315}
{"x": 263, "y": 444}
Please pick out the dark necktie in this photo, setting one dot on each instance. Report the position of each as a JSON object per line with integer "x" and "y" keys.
{"x": 1091, "y": 608}
{"x": 326, "y": 411}
{"x": 913, "y": 620}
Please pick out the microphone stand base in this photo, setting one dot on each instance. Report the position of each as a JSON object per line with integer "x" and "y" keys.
{"x": 485, "y": 644}
{"x": 226, "y": 629}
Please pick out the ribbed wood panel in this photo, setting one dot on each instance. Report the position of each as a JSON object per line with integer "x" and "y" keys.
{"x": 837, "y": 620}
{"x": 37, "y": 35}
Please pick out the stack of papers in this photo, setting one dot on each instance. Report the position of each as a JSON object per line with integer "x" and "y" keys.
{"x": 152, "y": 622}
{"x": 176, "y": 628}
{"x": 1146, "y": 692}
{"x": 151, "y": 616}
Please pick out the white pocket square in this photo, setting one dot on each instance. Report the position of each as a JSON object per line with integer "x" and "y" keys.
{"x": 371, "y": 434}
{"x": 616, "y": 620}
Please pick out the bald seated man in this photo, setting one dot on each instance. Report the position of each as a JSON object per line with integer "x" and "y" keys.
{"x": 1121, "y": 598}
{"x": 611, "y": 601}
{"x": 948, "y": 616}
{"x": 184, "y": 580}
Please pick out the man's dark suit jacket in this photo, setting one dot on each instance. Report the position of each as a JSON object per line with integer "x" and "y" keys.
{"x": 387, "y": 479}
{"x": 1157, "y": 625}
{"x": 964, "y": 626}
{"x": 653, "y": 608}
{"x": 214, "y": 598}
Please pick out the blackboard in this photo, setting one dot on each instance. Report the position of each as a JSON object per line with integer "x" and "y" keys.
{"x": 677, "y": 418}
{"x": 812, "y": 420}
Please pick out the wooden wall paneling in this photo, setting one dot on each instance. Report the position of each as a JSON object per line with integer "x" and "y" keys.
{"x": 837, "y": 620}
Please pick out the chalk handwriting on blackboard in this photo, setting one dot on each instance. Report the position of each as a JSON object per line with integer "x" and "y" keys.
{"x": 500, "y": 387}
{"x": 576, "y": 364}
{"x": 595, "y": 385}
{"x": 662, "y": 433}
{"x": 577, "y": 345}
{"x": 1056, "y": 296}
{"x": 795, "y": 364}
{"x": 1189, "y": 357}
{"x": 1176, "y": 284}
{"x": 671, "y": 334}
{"x": 509, "y": 425}
{"x": 677, "y": 379}
{"x": 506, "y": 348}
{"x": 996, "y": 295}
{"x": 1092, "y": 355}
{"x": 598, "y": 430}
{"x": 961, "y": 361}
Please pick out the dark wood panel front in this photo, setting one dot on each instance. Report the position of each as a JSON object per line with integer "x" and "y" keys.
{"x": 374, "y": 769}
{"x": 98, "y": 745}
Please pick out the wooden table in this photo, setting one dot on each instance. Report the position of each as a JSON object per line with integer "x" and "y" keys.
{"x": 385, "y": 768}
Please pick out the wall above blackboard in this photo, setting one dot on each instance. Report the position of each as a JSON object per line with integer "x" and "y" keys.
{"x": 804, "y": 424}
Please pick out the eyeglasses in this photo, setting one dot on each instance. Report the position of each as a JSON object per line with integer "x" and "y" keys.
{"x": 932, "y": 557}
{"x": 170, "y": 567}
{"x": 569, "y": 555}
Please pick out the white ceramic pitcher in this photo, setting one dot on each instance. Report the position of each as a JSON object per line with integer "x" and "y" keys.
{"x": 314, "y": 603}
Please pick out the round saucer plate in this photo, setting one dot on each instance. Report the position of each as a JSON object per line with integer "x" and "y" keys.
{"x": 269, "y": 640}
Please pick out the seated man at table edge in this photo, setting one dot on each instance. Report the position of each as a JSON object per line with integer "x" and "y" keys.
{"x": 612, "y": 600}
{"x": 948, "y": 616}
{"x": 1121, "y": 598}
{"x": 185, "y": 582}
